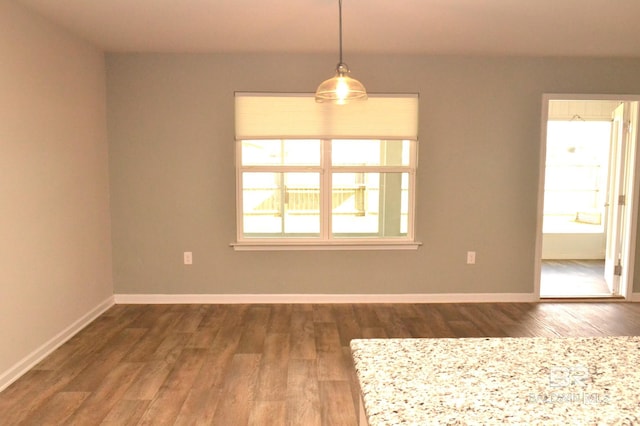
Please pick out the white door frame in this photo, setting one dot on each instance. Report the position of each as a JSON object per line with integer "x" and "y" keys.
{"x": 616, "y": 186}
{"x": 626, "y": 280}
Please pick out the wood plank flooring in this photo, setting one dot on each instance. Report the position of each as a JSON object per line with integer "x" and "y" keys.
{"x": 256, "y": 364}
{"x": 573, "y": 278}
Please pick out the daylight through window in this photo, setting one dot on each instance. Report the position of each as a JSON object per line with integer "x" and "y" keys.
{"x": 576, "y": 176}
{"x": 344, "y": 185}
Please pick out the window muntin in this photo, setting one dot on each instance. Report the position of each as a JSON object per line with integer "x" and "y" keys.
{"x": 326, "y": 190}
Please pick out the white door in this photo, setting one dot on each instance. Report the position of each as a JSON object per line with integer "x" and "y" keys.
{"x": 616, "y": 199}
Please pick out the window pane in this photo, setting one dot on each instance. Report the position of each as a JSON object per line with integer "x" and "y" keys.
{"x": 370, "y": 152}
{"x": 281, "y": 204}
{"x": 369, "y": 204}
{"x": 280, "y": 152}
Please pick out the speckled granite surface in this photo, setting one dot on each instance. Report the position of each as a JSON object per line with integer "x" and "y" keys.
{"x": 479, "y": 381}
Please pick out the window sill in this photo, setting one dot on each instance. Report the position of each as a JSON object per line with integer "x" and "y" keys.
{"x": 280, "y": 246}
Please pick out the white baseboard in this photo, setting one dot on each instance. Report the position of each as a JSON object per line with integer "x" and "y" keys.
{"x": 14, "y": 373}
{"x": 323, "y": 298}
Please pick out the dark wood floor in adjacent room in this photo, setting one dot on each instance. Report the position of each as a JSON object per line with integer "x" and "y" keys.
{"x": 573, "y": 278}
{"x": 257, "y": 364}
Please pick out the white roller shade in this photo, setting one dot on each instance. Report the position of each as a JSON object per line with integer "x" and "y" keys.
{"x": 299, "y": 116}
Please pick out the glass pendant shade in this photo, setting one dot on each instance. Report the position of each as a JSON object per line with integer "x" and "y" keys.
{"x": 341, "y": 88}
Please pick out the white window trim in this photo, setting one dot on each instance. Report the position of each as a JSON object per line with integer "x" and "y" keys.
{"x": 340, "y": 245}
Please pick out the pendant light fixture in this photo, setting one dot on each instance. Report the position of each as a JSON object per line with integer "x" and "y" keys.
{"x": 341, "y": 88}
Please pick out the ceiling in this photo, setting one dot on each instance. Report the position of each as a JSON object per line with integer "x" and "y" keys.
{"x": 468, "y": 27}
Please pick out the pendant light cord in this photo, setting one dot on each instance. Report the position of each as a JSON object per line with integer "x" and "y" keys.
{"x": 340, "y": 21}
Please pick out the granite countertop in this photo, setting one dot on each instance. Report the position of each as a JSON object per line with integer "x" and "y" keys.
{"x": 472, "y": 381}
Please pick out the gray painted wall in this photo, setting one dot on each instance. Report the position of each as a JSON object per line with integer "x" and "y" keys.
{"x": 55, "y": 236}
{"x": 171, "y": 135}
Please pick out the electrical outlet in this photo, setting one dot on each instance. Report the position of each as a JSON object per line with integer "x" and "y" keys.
{"x": 471, "y": 258}
{"x": 188, "y": 258}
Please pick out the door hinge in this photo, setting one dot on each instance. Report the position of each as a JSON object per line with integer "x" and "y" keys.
{"x": 617, "y": 270}
{"x": 622, "y": 200}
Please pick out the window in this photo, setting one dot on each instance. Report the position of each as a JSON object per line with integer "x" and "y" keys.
{"x": 321, "y": 177}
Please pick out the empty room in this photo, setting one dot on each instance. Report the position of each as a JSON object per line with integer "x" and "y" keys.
{"x": 208, "y": 217}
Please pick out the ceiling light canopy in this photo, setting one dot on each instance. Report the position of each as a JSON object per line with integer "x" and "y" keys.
{"x": 341, "y": 89}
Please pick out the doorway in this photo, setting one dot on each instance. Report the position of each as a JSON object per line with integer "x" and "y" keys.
{"x": 586, "y": 216}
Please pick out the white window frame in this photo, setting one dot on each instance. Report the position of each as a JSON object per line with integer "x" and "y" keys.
{"x": 326, "y": 241}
